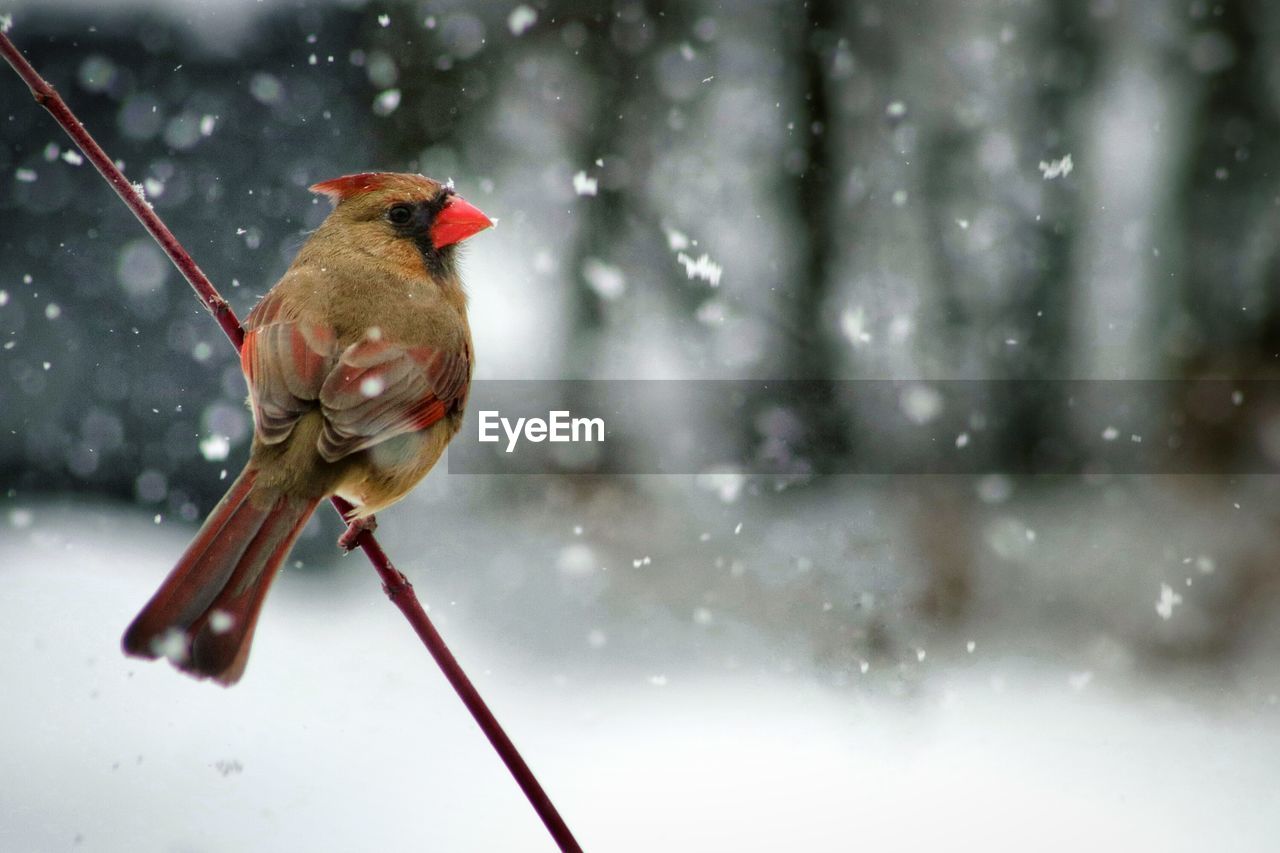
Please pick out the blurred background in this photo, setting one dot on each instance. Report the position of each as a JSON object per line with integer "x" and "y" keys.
{"x": 931, "y": 190}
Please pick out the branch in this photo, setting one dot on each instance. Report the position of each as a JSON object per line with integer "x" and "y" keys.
{"x": 394, "y": 583}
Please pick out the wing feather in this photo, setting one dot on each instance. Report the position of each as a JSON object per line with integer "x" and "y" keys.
{"x": 286, "y": 359}
{"x": 379, "y": 390}
{"x": 369, "y": 392}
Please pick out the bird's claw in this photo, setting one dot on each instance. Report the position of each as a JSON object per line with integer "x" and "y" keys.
{"x": 350, "y": 539}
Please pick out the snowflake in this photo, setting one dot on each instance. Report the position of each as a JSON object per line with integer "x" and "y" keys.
{"x": 702, "y": 267}
{"x": 1059, "y": 168}
{"x": 521, "y": 19}
{"x": 584, "y": 185}
{"x": 1167, "y": 601}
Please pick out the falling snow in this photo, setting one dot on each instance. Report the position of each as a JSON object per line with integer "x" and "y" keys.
{"x": 606, "y": 280}
{"x": 853, "y": 324}
{"x": 215, "y": 448}
{"x": 172, "y": 645}
{"x": 920, "y": 403}
{"x": 387, "y": 102}
{"x": 1059, "y": 168}
{"x": 220, "y": 621}
{"x": 793, "y": 596}
{"x": 702, "y": 268}
{"x": 576, "y": 560}
{"x": 583, "y": 185}
{"x": 521, "y": 19}
{"x": 1167, "y": 601}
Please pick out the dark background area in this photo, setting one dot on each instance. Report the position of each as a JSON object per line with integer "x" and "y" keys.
{"x": 883, "y": 215}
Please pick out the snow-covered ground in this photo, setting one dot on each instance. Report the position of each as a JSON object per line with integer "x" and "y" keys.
{"x": 343, "y": 736}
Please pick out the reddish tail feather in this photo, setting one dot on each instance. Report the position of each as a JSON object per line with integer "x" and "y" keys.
{"x": 202, "y": 617}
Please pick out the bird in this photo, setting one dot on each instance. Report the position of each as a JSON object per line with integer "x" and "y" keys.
{"x": 358, "y": 363}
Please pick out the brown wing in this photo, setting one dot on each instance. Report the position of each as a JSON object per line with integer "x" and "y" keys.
{"x": 379, "y": 390}
{"x": 286, "y": 360}
{"x": 371, "y": 391}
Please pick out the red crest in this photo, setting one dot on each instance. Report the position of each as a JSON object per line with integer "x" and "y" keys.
{"x": 351, "y": 185}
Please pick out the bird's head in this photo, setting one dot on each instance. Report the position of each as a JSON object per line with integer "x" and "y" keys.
{"x": 392, "y": 209}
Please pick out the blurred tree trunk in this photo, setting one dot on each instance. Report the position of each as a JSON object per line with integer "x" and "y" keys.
{"x": 1230, "y": 323}
{"x": 806, "y": 301}
{"x": 1129, "y": 168}
{"x": 615, "y": 72}
{"x": 801, "y": 314}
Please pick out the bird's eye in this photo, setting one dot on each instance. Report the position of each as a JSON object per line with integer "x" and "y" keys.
{"x": 401, "y": 214}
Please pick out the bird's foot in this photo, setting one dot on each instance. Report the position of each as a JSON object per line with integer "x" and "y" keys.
{"x": 350, "y": 540}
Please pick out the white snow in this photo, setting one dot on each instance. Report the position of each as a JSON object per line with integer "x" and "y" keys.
{"x": 171, "y": 645}
{"x": 726, "y": 482}
{"x": 521, "y": 19}
{"x": 1167, "y": 601}
{"x": 753, "y": 759}
{"x": 584, "y": 185}
{"x": 853, "y": 761}
{"x": 702, "y": 267}
{"x": 853, "y": 324}
{"x": 576, "y": 560}
{"x": 220, "y": 621}
{"x": 605, "y": 279}
{"x": 920, "y": 403}
{"x": 676, "y": 240}
{"x": 387, "y": 102}
{"x": 1059, "y": 168}
{"x": 215, "y": 448}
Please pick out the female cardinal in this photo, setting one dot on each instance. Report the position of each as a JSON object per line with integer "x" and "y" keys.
{"x": 358, "y": 363}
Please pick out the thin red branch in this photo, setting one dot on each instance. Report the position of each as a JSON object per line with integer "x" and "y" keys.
{"x": 394, "y": 583}
{"x": 400, "y": 591}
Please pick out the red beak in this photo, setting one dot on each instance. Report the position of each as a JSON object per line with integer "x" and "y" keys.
{"x": 458, "y": 221}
